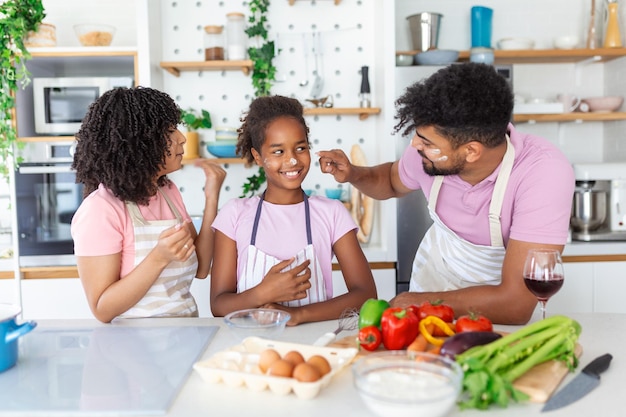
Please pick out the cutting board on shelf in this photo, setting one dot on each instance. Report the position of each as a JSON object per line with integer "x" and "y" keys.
{"x": 539, "y": 383}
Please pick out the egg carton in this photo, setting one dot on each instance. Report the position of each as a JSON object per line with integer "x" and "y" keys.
{"x": 238, "y": 366}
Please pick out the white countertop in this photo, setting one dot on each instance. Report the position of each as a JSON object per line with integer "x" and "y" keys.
{"x": 602, "y": 333}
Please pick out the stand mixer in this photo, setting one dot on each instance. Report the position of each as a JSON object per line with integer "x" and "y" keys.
{"x": 599, "y": 205}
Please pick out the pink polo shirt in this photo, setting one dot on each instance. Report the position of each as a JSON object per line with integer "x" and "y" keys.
{"x": 102, "y": 224}
{"x": 537, "y": 203}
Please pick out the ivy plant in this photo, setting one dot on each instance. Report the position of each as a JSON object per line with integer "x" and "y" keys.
{"x": 196, "y": 120}
{"x": 263, "y": 72}
{"x": 17, "y": 18}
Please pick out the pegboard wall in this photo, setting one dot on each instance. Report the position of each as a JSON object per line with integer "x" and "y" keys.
{"x": 341, "y": 38}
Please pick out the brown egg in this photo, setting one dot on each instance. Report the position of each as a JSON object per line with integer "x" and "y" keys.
{"x": 321, "y": 363}
{"x": 267, "y": 358}
{"x": 294, "y": 357}
{"x": 305, "y": 372}
{"x": 281, "y": 368}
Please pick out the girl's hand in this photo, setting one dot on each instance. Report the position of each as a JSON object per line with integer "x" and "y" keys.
{"x": 175, "y": 244}
{"x": 285, "y": 286}
{"x": 214, "y": 175}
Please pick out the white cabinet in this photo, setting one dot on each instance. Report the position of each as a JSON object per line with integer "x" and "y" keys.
{"x": 385, "y": 280}
{"x": 61, "y": 298}
{"x": 591, "y": 287}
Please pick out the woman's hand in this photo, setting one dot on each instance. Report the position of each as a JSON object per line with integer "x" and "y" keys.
{"x": 214, "y": 177}
{"x": 175, "y": 244}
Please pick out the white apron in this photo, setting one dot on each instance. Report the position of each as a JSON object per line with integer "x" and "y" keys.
{"x": 444, "y": 261}
{"x": 169, "y": 296}
{"x": 259, "y": 263}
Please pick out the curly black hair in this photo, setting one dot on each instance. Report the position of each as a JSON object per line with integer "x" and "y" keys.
{"x": 263, "y": 110}
{"x": 123, "y": 141}
{"x": 464, "y": 103}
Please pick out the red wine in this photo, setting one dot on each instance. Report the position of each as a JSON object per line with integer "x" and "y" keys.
{"x": 543, "y": 290}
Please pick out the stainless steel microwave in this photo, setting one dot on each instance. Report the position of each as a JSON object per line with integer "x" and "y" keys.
{"x": 60, "y": 103}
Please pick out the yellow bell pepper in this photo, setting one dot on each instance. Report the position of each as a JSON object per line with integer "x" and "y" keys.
{"x": 436, "y": 321}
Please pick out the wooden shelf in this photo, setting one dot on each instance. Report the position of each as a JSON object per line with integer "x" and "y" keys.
{"x": 175, "y": 68}
{"x": 363, "y": 112}
{"x": 545, "y": 56}
{"x": 47, "y": 139}
{"x": 570, "y": 117}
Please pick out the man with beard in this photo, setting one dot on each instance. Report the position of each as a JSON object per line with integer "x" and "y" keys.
{"x": 493, "y": 192}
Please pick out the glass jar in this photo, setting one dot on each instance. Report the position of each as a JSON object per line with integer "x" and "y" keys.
{"x": 235, "y": 36}
{"x": 213, "y": 43}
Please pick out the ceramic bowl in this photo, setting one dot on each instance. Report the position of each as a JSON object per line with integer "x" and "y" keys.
{"x": 259, "y": 322}
{"x": 604, "y": 104}
{"x": 516, "y": 43}
{"x": 94, "y": 35}
{"x": 481, "y": 55}
{"x": 226, "y": 133}
{"x": 402, "y": 383}
{"x": 222, "y": 148}
{"x": 334, "y": 193}
{"x": 566, "y": 42}
{"x": 436, "y": 57}
{"x": 404, "y": 60}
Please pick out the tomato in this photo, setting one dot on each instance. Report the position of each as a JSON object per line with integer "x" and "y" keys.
{"x": 473, "y": 322}
{"x": 438, "y": 309}
{"x": 370, "y": 338}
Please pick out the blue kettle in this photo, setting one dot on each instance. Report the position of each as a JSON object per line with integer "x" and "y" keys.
{"x": 10, "y": 331}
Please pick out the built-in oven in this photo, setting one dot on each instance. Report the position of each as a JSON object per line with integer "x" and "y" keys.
{"x": 47, "y": 197}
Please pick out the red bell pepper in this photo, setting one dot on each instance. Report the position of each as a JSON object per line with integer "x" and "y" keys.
{"x": 400, "y": 327}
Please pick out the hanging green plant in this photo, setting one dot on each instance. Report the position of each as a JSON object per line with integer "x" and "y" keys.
{"x": 263, "y": 72}
{"x": 17, "y": 18}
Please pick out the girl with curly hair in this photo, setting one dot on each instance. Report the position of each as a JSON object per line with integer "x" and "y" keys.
{"x": 275, "y": 250}
{"x": 136, "y": 248}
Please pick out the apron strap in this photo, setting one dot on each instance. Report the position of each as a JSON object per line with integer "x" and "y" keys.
{"x": 497, "y": 198}
{"x": 257, "y": 218}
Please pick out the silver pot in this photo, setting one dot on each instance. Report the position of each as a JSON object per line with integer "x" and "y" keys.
{"x": 588, "y": 208}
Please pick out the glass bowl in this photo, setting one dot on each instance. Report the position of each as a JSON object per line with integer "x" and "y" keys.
{"x": 94, "y": 35}
{"x": 260, "y": 322}
{"x": 403, "y": 383}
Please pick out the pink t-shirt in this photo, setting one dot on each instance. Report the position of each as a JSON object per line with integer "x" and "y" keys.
{"x": 537, "y": 203}
{"x": 102, "y": 224}
{"x": 282, "y": 228}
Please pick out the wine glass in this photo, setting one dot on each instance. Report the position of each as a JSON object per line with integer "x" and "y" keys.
{"x": 543, "y": 274}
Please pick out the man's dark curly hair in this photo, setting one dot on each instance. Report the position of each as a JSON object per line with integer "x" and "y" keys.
{"x": 263, "y": 110}
{"x": 123, "y": 141}
{"x": 464, "y": 103}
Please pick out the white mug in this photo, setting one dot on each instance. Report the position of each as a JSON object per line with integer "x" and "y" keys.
{"x": 570, "y": 102}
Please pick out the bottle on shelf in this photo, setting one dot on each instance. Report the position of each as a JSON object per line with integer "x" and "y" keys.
{"x": 364, "y": 95}
{"x": 612, "y": 35}
{"x": 235, "y": 36}
{"x": 213, "y": 43}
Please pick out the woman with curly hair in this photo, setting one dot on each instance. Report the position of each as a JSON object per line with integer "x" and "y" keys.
{"x": 493, "y": 192}
{"x": 275, "y": 250}
{"x": 136, "y": 248}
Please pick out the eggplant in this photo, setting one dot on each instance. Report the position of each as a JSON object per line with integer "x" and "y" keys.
{"x": 460, "y": 342}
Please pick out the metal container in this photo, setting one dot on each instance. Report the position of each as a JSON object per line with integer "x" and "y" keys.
{"x": 588, "y": 207}
{"x": 424, "y": 30}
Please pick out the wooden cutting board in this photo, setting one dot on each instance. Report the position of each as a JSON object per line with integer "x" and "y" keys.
{"x": 539, "y": 383}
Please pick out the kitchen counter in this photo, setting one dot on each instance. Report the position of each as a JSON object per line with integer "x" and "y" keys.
{"x": 601, "y": 334}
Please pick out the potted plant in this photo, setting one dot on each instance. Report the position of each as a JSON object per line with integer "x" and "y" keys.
{"x": 17, "y": 18}
{"x": 263, "y": 72}
{"x": 194, "y": 120}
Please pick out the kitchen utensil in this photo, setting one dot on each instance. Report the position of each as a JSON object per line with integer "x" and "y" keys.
{"x": 566, "y": 42}
{"x": 481, "y": 22}
{"x": 570, "y": 102}
{"x": 581, "y": 385}
{"x": 10, "y": 331}
{"x": 404, "y": 383}
{"x": 260, "y": 322}
{"x": 348, "y": 320}
{"x": 424, "y": 28}
{"x": 482, "y": 55}
{"x": 603, "y": 104}
{"x": 364, "y": 94}
{"x": 507, "y": 44}
{"x": 305, "y": 49}
{"x": 404, "y": 60}
{"x": 318, "y": 81}
{"x": 591, "y": 32}
{"x": 223, "y": 148}
{"x": 543, "y": 274}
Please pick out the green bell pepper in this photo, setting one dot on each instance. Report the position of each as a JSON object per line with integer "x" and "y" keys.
{"x": 371, "y": 312}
